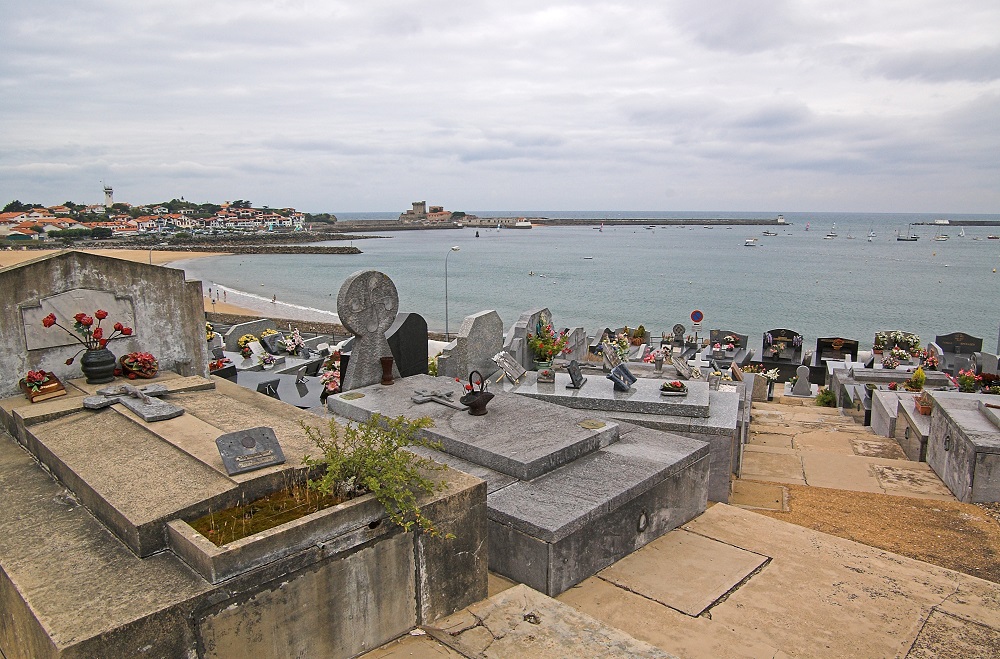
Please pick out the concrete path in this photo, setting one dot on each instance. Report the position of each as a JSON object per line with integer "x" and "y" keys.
{"x": 818, "y": 446}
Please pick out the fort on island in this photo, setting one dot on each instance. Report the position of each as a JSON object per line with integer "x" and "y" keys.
{"x": 535, "y": 489}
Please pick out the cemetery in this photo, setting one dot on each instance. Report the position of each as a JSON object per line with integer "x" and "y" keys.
{"x": 553, "y": 454}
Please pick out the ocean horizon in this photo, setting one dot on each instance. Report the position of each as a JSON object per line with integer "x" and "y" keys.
{"x": 630, "y": 275}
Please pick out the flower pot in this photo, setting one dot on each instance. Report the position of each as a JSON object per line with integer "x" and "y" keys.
{"x": 542, "y": 365}
{"x": 130, "y": 371}
{"x": 386, "y": 369}
{"x": 476, "y": 400}
{"x": 98, "y": 365}
{"x": 658, "y": 365}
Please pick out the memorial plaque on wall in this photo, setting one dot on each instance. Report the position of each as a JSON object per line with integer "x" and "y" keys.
{"x": 247, "y": 450}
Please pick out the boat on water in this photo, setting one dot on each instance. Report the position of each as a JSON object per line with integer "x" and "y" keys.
{"x": 871, "y": 234}
{"x": 750, "y": 242}
{"x": 941, "y": 237}
{"x": 909, "y": 237}
{"x": 522, "y": 224}
{"x": 961, "y": 232}
{"x": 651, "y": 227}
{"x": 770, "y": 233}
{"x": 992, "y": 237}
{"x": 832, "y": 233}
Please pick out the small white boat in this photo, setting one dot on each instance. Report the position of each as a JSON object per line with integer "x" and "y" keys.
{"x": 770, "y": 233}
{"x": 961, "y": 233}
{"x": 750, "y": 242}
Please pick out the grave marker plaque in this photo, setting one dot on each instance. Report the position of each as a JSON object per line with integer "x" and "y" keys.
{"x": 248, "y": 450}
{"x": 576, "y": 377}
{"x": 269, "y": 388}
{"x": 272, "y": 343}
{"x": 511, "y": 368}
{"x": 959, "y": 343}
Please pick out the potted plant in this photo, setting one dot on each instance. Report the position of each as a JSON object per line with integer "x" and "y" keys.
{"x": 916, "y": 382}
{"x": 244, "y": 344}
{"x": 673, "y": 388}
{"x": 923, "y": 404}
{"x": 546, "y": 343}
{"x": 968, "y": 381}
{"x": 97, "y": 363}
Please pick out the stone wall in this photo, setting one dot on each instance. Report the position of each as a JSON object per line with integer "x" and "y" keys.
{"x": 167, "y": 314}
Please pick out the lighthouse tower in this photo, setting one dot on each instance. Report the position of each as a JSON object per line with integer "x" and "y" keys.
{"x": 108, "y": 195}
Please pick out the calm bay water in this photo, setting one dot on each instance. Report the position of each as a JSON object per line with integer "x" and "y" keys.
{"x": 632, "y": 275}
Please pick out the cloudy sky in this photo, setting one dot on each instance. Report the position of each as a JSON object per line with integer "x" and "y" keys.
{"x": 753, "y": 105}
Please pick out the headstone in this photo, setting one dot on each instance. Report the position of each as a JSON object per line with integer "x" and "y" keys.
{"x": 723, "y": 337}
{"x": 836, "y": 349}
{"x": 272, "y": 343}
{"x": 576, "y": 378}
{"x": 407, "y": 338}
{"x": 621, "y": 377}
{"x": 684, "y": 371}
{"x": 801, "y": 386}
{"x": 255, "y": 327}
{"x": 782, "y": 345}
{"x": 577, "y": 344}
{"x": 678, "y": 334}
{"x": 479, "y": 338}
{"x": 367, "y": 304}
{"x": 218, "y": 353}
{"x": 737, "y": 372}
{"x": 248, "y": 450}
{"x": 138, "y": 399}
{"x": 517, "y": 337}
{"x": 958, "y": 343}
{"x": 256, "y": 348}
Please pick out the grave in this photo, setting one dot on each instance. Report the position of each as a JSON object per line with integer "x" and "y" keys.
{"x": 70, "y": 282}
{"x": 517, "y": 337}
{"x": 782, "y": 345}
{"x": 708, "y": 416}
{"x": 568, "y": 492}
{"x": 957, "y": 350}
{"x": 478, "y": 339}
{"x": 231, "y": 337}
{"x": 802, "y": 387}
{"x": 407, "y": 338}
{"x": 367, "y": 304}
{"x": 739, "y": 354}
{"x": 963, "y": 447}
{"x": 912, "y": 429}
{"x": 577, "y": 344}
{"x": 843, "y": 380}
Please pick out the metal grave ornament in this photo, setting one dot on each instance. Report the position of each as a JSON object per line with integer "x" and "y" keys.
{"x": 421, "y": 396}
{"x": 248, "y": 450}
{"x": 139, "y": 400}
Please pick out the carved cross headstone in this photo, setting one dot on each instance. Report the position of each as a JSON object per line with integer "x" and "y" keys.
{"x": 139, "y": 400}
{"x": 367, "y": 306}
{"x": 801, "y": 386}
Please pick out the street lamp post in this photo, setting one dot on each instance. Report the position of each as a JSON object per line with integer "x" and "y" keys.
{"x": 447, "y": 336}
{"x": 151, "y": 251}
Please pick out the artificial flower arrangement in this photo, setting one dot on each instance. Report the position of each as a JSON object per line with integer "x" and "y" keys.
{"x": 797, "y": 341}
{"x": 545, "y": 343}
{"x": 621, "y": 346}
{"x": 717, "y": 346}
{"x": 331, "y": 375}
{"x": 244, "y": 343}
{"x": 900, "y": 354}
{"x": 655, "y": 355}
{"x": 674, "y": 387}
{"x": 758, "y": 369}
{"x": 968, "y": 381}
{"x": 930, "y": 360}
{"x": 138, "y": 365}
{"x": 209, "y": 332}
{"x": 268, "y": 332}
{"x": 293, "y": 342}
{"x": 41, "y": 385}
{"x": 266, "y": 359}
{"x": 216, "y": 364}
{"x": 93, "y": 337}
{"x": 888, "y": 361}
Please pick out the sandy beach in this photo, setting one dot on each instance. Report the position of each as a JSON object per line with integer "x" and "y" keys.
{"x": 156, "y": 257}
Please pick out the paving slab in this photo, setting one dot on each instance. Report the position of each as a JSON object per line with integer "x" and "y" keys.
{"x": 771, "y": 440}
{"x": 523, "y": 623}
{"x": 874, "y": 447}
{"x": 419, "y": 646}
{"x": 843, "y": 472}
{"x": 916, "y": 481}
{"x": 779, "y": 467}
{"x": 753, "y": 494}
{"x": 684, "y": 571}
{"x": 950, "y": 637}
{"x": 823, "y": 440}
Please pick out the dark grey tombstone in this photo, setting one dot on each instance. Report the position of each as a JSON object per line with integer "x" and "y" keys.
{"x": 272, "y": 343}
{"x": 958, "y": 343}
{"x": 248, "y": 450}
{"x": 719, "y": 336}
{"x": 576, "y": 377}
{"x": 784, "y": 340}
{"x": 835, "y": 348}
{"x": 621, "y": 378}
{"x": 407, "y": 338}
{"x": 219, "y": 353}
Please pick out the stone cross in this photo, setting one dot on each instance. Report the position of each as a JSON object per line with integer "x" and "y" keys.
{"x": 139, "y": 400}
{"x": 367, "y": 306}
{"x": 434, "y": 396}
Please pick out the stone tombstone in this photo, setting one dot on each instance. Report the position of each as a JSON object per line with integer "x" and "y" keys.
{"x": 367, "y": 305}
{"x": 801, "y": 386}
{"x": 678, "y": 334}
{"x": 684, "y": 371}
{"x": 835, "y": 348}
{"x": 517, "y": 337}
{"x": 958, "y": 343}
{"x": 272, "y": 343}
{"x": 165, "y": 311}
{"x": 255, "y": 327}
{"x": 269, "y": 388}
{"x": 788, "y": 344}
{"x": 478, "y": 339}
{"x": 736, "y": 371}
{"x": 719, "y": 336}
{"x": 933, "y": 349}
{"x": 577, "y": 344}
{"x": 407, "y": 337}
{"x": 248, "y": 450}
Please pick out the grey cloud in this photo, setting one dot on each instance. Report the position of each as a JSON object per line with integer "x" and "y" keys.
{"x": 952, "y": 65}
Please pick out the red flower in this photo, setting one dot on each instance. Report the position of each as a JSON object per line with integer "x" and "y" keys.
{"x": 127, "y": 331}
{"x": 102, "y": 343}
{"x": 132, "y": 376}
{"x": 80, "y": 316}
{"x": 86, "y": 321}
{"x": 119, "y": 327}
{"x": 49, "y": 320}
{"x": 100, "y": 314}
{"x": 468, "y": 387}
{"x": 98, "y": 333}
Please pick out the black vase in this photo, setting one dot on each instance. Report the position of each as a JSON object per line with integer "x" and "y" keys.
{"x": 98, "y": 365}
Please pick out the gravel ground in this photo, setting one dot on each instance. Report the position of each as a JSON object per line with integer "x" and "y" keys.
{"x": 958, "y": 536}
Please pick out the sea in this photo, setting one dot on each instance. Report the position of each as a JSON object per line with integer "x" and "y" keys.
{"x": 612, "y": 276}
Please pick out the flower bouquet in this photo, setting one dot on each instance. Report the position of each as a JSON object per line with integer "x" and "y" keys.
{"x": 931, "y": 361}
{"x": 138, "y": 365}
{"x": 266, "y": 360}
{"x": 293, "y": 342}
{"x": 217, "y": 364}
{"x": 890, "y": 362}
{"x": 545, "y": 343}
{"x": 41, "y": 385}
{"x": 968, "y": 381}
{"x": 93, "y": 337}
{"x": 673, "y": 388}
{"x": 244, "y": 343}
{"x": 209, "y": 332}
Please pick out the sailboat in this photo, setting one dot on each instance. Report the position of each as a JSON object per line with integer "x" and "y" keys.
{"x": 961, "y": 233}
{"x": 832, "y": 234}
{"x": 909, "y": 237}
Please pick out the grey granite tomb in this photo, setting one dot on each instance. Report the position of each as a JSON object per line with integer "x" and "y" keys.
{"x": 517, "y": 337}
{"x": 963, "y": 447}
{"x": 568, "y": 492}
{"x": 478, "y": 339}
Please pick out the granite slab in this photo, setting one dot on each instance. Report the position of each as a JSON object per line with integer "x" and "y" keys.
{"x": 519, "y": 437}
{"x": 599, "y": 394}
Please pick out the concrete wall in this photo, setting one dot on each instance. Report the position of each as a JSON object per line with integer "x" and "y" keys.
{"x": 168, "y": 313}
